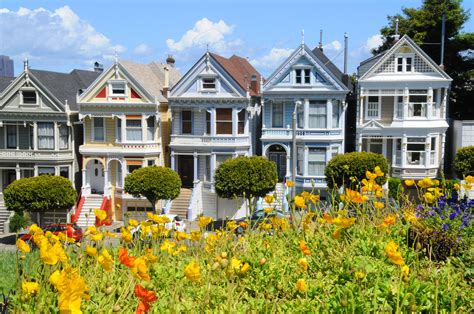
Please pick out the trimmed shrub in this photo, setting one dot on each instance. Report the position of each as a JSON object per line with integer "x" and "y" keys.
{"x": 342, "y": 167}
{"x": 40, "y": 194}
{"x": 464, "y": 162}
{"x": 19, "y": 221}
{"x": 395, "y": 188}
{"x": 154, "y": 183}
{"x": 246, "y": 177}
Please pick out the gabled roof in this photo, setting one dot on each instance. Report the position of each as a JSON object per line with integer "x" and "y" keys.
{"x": 331, "y": 66}
{"x": 368, "y": 63}
{"x": 5, "y": 81}
{"x": 241, "y": 71}
{"x": 404, "y": 40}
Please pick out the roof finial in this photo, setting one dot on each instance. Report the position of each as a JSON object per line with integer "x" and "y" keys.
{"x": 397, "y": 36}
{"x": 320, "y": 40}
{"x": 116, "y": 57}
{"x": 302, "y": 37}
{"x": 25, "y": 64}
{"x": 207, "y": 47}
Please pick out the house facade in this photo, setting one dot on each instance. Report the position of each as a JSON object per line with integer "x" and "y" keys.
{"x": 122, "y": 122}
{"x": 213, "y": 109}
{"x": 38, "y": 115}
{"x": 308, "y": 85}
{"x": 402, "y": 108}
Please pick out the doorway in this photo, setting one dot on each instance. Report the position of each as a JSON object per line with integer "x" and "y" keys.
{"x": 277, "y": 154}
{"x": 186, "y": 170}
{"x": 97, "y": 179}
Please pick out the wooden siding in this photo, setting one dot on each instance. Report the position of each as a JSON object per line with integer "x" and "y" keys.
{"x": 2, "y": 137}
{"x": 24, "y": 137}
{"x": 386, "y": 116}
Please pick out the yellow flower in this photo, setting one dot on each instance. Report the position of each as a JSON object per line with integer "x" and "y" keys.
{"x": 110, "y": 234}
{"x": 204, "y": 221}
{"x": 35, "y": 230}
{"x": 181, "y": 249}
{"x": 268, "y": 210}
{"x": 180, "y": 236}
{"x": 379, "y": 205}
{"x": 126, "y": 235}
{"x": 409, "y": 182}
{"x": 304, "y": 248}
{"x": 91, "y": 251}
{"x": 378, "y": 171}
{"x": 456, "y": 187}
{"x": 301, "y": 286}
{"x": 30, "y": 288}
{"x": 231, "y": 225}
{"x": 405, "y": 270}
{"x": 314, "y": 198}
{"x": 467, "y": 187}
{"x": 425, "y": 183}
{"x": 353, "y": 196}
{"x": 140, "y": 270}
{"x": 239, "y": 267}
{"x": 150, "y": 258}
{"x": 55, "y": 278}
{"x": 22, "y": 246}
{"x": 51, "y": 255}
{"x": 391, "y": 250}
{"x": 303, "y": 263}
{"x": 106, "y": 260}
{"x": 337, "y": 234}
{"x": 100, "y": 214}
{"x": 193, "y": 272}
{"x": 269, "y": 199}
{"x": 470, "y": 179}
{"x": 71, "y": 288}
{"x": 429, "y": 198}
{"x": 195, "y": 235}
{"x": 168, "y": 246}
{"x": 299, "y": 202}
{"x": 133, "y": 222}
{"x": 371, "y": 176}
{"x": 359, "y": 275}
{"x": 343, "y": 222}
{"x": 290, "y": 183}
{"x": 389, "y": 220}
{"x": 97, "y": 237}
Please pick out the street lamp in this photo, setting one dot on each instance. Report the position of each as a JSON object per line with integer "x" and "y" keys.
{"x": 293, "y": 148}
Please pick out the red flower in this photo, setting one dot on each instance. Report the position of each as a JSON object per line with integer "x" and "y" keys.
{"x": 146, "y": 297}
{"x": 124, "y": 258}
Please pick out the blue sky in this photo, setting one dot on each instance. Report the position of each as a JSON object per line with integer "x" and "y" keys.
{"x": 62, "y": 35}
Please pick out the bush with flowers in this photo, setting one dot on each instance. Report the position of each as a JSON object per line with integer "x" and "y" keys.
{"x": 352, "y": 256}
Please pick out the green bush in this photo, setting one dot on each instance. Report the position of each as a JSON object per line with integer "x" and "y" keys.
{"x": 40, "y": 194}
{"x": 247, "y": 177}
{"x": 342, "y": 167}
{"x": 19, "y": 221}
{"x": 464, "y": 162}
{"x": 154, "y": 183}
{"x": 395, "y": 188}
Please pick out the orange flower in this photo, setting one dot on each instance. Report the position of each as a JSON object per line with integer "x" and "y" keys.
{"x": 304, "y": 248}
{"x": 353, "y": 196}
{"x": 290, "y": 183}
{"x": 327, "y": 218}
{"x": 124, "y": 258}
{"x": 146, "y": 297}
{"x": 389, "y": 220}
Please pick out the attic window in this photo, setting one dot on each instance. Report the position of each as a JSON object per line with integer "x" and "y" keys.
{"x": 209, "y": 83}
{"x": 303, "y": 76}
{"x": 404, "y": 63}
{"x": 29, "y": 97}
{"x": 117, "y": 88}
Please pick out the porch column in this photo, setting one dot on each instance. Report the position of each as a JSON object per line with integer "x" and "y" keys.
{"x": 443, "y": 103}
{"x": 106, "y": 180}
{"x": 404, "y": 151}
{"x": 195, "y": 159}
{"x": 173, "y": 163}
{"x": 35, "y": 135}
{"x": 359, "y": 142}
{"x": 213, "y": 121}
{"x": 438, "y": 103}
{"x": 329, "y": 114}
{"x": 212, "y": 170}
{"x": 288, "y": 166}
{"x": 361, "y": 106}
{"x": 84, "y": 177}
{"x": 18, "y": 172}
{"x": 56, "y": 136}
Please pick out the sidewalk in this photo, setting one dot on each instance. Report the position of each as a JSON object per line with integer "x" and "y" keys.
{"x": 7, "y": 242}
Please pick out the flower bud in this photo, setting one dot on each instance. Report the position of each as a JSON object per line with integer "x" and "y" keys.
{"x": 263, "y": 261}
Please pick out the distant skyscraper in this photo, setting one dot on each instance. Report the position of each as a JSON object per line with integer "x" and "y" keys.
{"x": 6, "y": 66}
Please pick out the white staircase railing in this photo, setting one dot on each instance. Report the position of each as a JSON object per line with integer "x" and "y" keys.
{"x": 195, "y": 204}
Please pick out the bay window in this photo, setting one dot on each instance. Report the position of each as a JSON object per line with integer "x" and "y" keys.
{"x": 416, "y": 151}
{"x": 417, "y": 106}
{"x": 277, "y": 115}
{"x": 134, "y": 129}
{"x": 186, "y": 122}
{"x": 241, "y": 122}
{"x": 63, "y": 136}
{"x": 224, "y": 121}
{"x": 316, "y": 161}
{"x": 45, "y": 135}
{"x": 317, "y": 114}
{"x": 46, "y": 171}
{"x": 433, "y": 151}
{"x": 98, "y": 129}
{"x": 150, "y": 126}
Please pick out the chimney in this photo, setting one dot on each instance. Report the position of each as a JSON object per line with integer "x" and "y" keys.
{"x": 396, "y": 36}
{"x": 254, "y": 84}
{"x": 166, "y": 85}
{"x": 170, "y": 60}
{"x": 320, "y": 40}
{"x": 98, "y": 67}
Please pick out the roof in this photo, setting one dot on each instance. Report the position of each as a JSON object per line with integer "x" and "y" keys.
{"x": 152, "y": 76}
{"x": 331, "y": 66}
{"x": 64, "y": 86}
{"x": 4, "y": 82}
{"x": 367, "y": 64}
{"x": 241, "y": 71}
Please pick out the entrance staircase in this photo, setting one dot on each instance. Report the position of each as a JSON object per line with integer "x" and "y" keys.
{"x": 280, "y": 197}
{"x": 87, "y": 217}
{"x": 180, "y": 205}
{"x": 4, "y": 214}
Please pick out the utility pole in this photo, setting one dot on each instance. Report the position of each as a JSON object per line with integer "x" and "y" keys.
{"x": 443, "y": 30}
{"x": 293, "y": 150}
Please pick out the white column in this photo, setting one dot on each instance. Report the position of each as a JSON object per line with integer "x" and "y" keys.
{"x": 429, "y": 107}
{"x": 234, "y": 122}
{"x": 195, "y": 155}
{"x": 384, "y": 147}
{"x": 438, "y": 103}
{"x": 288, "y": 165}
{"x": 123, "y": 127}
{"x": 359, "y": 142}
{"x": 305, "y": 160}
{"x": 405, "y": 103}
{"x": 361, "y": 103}
{"x": 213, "y": 122}
{"x": 443, "y": 103}
{"x": 213, "y": 168}
{"x": 144, "y": 129}
{"x": 35, "y": 135}
{"x": 173, "y": 162}
{"x": 404, "y": 151}
{"x": 106, "y": 180}
{"x": 329, "y": 113}
{"x": 84, "y": 177}
{"x": 427, "y": 151}
{"x": 56, "y": 136}
{"x": 306, "y": 114}
{"x": 18, "y": 172}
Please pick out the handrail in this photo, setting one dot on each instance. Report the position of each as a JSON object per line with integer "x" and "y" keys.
{"x": 105, "y": 206}
{"x": 80, "y": 203}
{"x": 193, "y": 210}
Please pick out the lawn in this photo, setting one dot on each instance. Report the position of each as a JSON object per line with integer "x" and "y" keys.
{"x": 8, "y": 271}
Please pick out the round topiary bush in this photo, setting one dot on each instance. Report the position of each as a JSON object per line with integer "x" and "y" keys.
{"x": 247, "y": 177}
{"x": 154, "y": 183}
{"x": 464, "y": 162}
{"x": 342, "y": 167}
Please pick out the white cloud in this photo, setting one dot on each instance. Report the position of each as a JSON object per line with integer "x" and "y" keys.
{"x": 203, "y": 33}
{"x": 373, "y": 42}
{"x": 143, "y": 49}
{"x": 334, "y": 45}
{"x": 52, "y": 36}
{"x": 273, "y": 58}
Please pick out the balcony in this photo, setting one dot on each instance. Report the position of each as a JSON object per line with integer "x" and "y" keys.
{"x": 207, "y": 140}
{"x": 130, "y": 148}
{"x": 307, "y": 133}
{"x": 30, "y": 155}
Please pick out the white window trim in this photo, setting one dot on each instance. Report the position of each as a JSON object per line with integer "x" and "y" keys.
{"x": 141, "y": 127}
{"x": 302, "y": 68}
{"x": 93, "y": 130}
{"x": 181, "y": 122}
{"x": 283, "y": 116}
{"x": 117, "y": 131}
{"x": 68, "y": 171}
{"x": 5, "y": 136}
{"x": 327, "y": 152}
{"x": 69, "y": 135}
{"x": 379, "y": 108}
{"x": 404, "y": 62}
{"x": 426, "y": 152}
{"x": 110, "y": 92}
{"x": 29, "y": 89}
{"x": 56, "y": 169}
{"x": 154, "y": 129}
{"x": 208, "y": 90}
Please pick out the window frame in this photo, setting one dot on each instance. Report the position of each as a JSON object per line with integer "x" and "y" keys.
{"x": 127, "y": 127}
{"x": 64, "y": 127}
{"x": 404, "y": 57}
{"x": 422, "y": 153}
{"x": 302, "y": 73}
{"x": 150, "y": 130}
{"x": 111, "y": 89}
{"x": 323, "y": 104}
{"x": 93, "y": 135}
{"x": 203, "y": 83}
{"x": 28, "y": 90}
{"x": 241, "y": 121}
{"x": 190, "y": 121}
{"x": 379, "y": 107}
{"x": 282, "y": 114}
{"x": 15, "y": 126}
{"x": 324, "y": 163}
{"x": 46, "y": 167}
{"x": 224, "y": 121}
{"x": 46, "y": 136}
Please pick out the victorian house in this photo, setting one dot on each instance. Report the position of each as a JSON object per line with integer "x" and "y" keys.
{"x": 213, "y": 110}
{"x": 402, "y": 104}
{"x": 125, "y": 116}
{"x": 307, "y": 86}
{"x": 38, "y": 129}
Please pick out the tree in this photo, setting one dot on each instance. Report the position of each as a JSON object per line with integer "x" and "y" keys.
{"x": 247, "y": 177}
{"x": 40, "y": 194}
{"x": 464, "y": 162}
{"x": 154, "y": 183}
{"x": 423, "y": 25}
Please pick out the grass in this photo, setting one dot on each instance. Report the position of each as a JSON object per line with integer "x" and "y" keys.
{"x": 8, "y": 271}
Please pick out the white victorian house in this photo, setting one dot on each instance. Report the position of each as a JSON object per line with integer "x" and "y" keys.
{"x": 212, "y": 119}
{"x": 402, "y": 104}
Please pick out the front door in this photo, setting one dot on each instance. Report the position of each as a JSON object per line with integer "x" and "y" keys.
{"x": 8, "y": 177}
{"x": 186, "y": 170}
{"x": 280, "y": 160}
{"x": 97, "y": 179}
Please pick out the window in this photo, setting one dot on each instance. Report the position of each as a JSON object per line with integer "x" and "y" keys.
{"x": 335, "y": 113}
{"x": 399, "y": 64}
{"x": 132, "y": 168}
{"x": 64, "y": 172}
{"x": 119, "y": 130}
{"x": 46, "y": 171}
{"x": 307, "y": 76}
{"x": 417, "y": 103}
{"x": 299, "y": 160}
{"x": 150, "y": 127}
{"x": 416, "y": 151}
{"x": 375, "y": 145}
{"x": 134, "y": 165}
{"x": 63, "y": 136}
{"x": 317, "y": 114}
{"x": 11, "y": 136}
{"x": 45, "y": 135}
{"x": 98, "y": 128}
{"x": 277, "y": 115}
{"x": 150, "y": 162}
{"x": 300, "y": 116}
{"x": 209, "y": 83}
{"x": 303, "y": 76}
{"x": 399, "y": 106}
{"x": 398, "y": 152}
{"x": 208, "y": 168}
{"x": 404, "y": 64}
{"x": 221, "y": 158}
{"x": 373, "y": 107}
{"x": 298, "y": 76}
{"x": 186, "y": 122}
{"x": 316, "y": 161}
{"x": 408, "y": 64}
{"x": 224, "y": 120}
{"x": 29, "y": 97}
{"x": 118, "y": 88}
{"x": 134, "y": 129}
{"x": 119, "y": 174}
{"x": 433, "y": 151}
{"x": 241, "y": 122}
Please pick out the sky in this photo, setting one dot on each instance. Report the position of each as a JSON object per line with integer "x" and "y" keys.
{"x": 64, "y": 35}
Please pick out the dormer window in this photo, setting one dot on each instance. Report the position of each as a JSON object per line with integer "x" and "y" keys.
{"x": 29, "y": 97}
{"x": 303, "y": 76}
{"x": 117, "y": 88}
{"x": 404, "y": 63}
{"x": 209, "y": 83}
